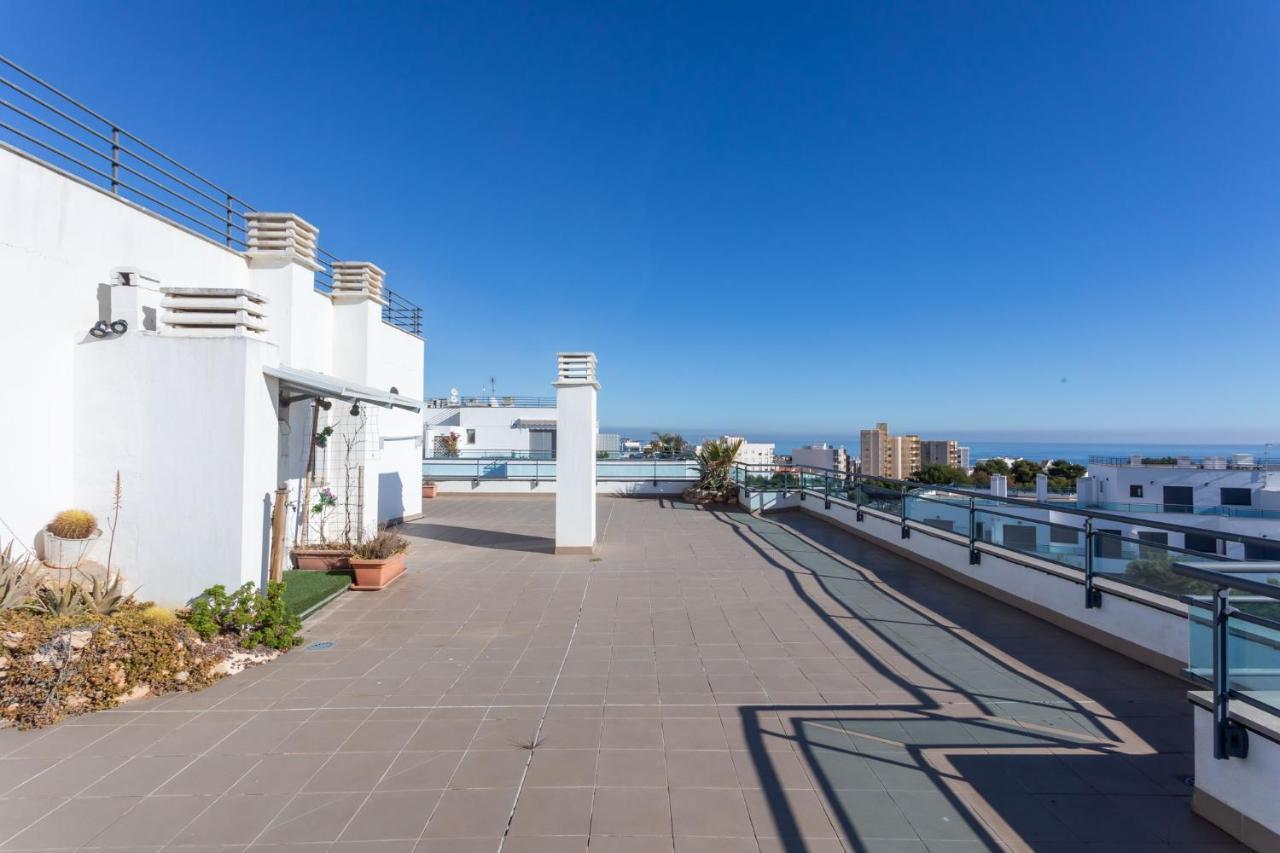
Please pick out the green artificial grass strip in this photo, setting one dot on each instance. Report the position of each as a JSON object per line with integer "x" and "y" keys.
{"x": 304, "y": 590}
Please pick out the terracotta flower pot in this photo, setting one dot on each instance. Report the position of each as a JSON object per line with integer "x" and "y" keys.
{"x": 377, "y": 574}
{"x": 428, "y": 490}
{"x": 320, "y": 559}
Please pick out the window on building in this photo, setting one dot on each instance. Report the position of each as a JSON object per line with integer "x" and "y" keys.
{"x": 471, "y": 436}
{"x": 1200, "y": 542}
{"x": 1135, "y": 491}
{"x": 1107, "y": 543}
{"x": 1259, "y": 551}
{"x": 1178, "y": 499}
{"x": 1237, "y": 497}
{"x": 1060, "y": 534}
{"x": 1157, "y": 539}
{"x": 1021, "y": 537}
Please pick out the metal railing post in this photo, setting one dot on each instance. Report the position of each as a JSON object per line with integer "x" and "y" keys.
{"x": 857, "y": 497}
{"x": 1230, "y": 740}
{"x": 1092, "y": 596}
{"x": 902, "y": 508}
{"x": 229, "y": 212}
{"x": 115, "y": 160}
{"x": 800, "y": 482}
{"x": 826, "y": 491}
{"x": 975, "y": 556}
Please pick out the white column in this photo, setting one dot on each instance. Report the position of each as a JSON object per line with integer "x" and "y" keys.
{"x": 1042, "y": 487}
{"x": 576, "y": 388}
{"x": 999, "y": 485}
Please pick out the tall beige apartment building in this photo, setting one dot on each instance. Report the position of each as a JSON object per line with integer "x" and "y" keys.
{"x": 940, "y": 453}
{"x": 884, "y": 455}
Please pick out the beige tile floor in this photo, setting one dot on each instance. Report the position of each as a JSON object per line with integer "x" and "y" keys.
{"x": 710, "y": 682}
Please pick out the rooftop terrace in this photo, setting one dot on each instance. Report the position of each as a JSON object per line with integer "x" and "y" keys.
{"x": 713, "y": 681}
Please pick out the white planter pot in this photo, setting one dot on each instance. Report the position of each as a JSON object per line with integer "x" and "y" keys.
{"x": 62, "y": 553}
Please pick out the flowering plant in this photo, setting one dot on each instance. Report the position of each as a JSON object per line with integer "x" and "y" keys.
{"x": 325, "y": 500}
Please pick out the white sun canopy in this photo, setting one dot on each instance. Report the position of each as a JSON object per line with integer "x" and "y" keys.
{"x": 314, "y": 384}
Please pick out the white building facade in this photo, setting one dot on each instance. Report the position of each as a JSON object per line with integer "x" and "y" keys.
{"x": 193, "y": 369}
{"x": 499, "y": 427}
{"x": 821, "y": 456}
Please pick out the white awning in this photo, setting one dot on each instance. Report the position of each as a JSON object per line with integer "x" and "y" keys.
{"x": 314, "y": 384}
{"x": 535, "y": 423}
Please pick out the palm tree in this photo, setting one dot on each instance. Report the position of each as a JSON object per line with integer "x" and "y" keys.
{"x": 667, "y": 444}
{"x": 715, "y": 465}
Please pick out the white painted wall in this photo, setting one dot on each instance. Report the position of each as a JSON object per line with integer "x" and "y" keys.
{"x": 191, "y": 423}
{"x": 59, "y": 241}
{"x": 576, "y": 466}
{"x": 1248, "y": 785}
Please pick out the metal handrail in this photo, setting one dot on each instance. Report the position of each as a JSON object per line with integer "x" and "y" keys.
{"x": 1231, "y": 740}
{"x": 178, "y": 192}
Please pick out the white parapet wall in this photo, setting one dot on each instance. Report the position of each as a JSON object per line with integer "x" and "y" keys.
{"x": 1239, "y": 794}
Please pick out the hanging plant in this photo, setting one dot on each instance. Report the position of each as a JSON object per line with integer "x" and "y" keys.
{"x": 322, "y": 437}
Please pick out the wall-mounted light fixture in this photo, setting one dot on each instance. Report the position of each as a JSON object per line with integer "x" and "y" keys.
{"x": 355, "y": 409}
{"x": 103, "y": 329}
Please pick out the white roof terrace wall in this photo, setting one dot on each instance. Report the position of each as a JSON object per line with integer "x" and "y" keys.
{"x": 190, "y": 423}
{"x": 59, "y": 241}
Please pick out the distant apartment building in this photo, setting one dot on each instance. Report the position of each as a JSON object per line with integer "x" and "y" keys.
{"x": 1236, "y": 496}
{"x": 945, "y": 452}
{"x": 964, "y": 457}
{"x": 885, "y": 455}
{"x": 821, "y": 456}
{"x": 752, "y": 453}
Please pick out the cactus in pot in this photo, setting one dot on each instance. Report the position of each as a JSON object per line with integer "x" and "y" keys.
{"x": 68, "y": 537}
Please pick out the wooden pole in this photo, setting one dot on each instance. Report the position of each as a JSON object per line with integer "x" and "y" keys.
{"x": 276, "y": 567}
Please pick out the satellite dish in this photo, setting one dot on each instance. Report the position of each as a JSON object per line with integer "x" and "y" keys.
{"x": 453, "y": 392}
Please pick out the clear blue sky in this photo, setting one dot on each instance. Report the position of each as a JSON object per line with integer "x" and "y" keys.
{"x": 766, "y": 217}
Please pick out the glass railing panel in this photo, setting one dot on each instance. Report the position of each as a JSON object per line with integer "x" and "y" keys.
{"x": 1253, "y": 647}
{"x": 950, "y": 514}
{"x": 882, "y": 495}
{"x": 1146, "y": 564}
{"x": 1031, "y": 536}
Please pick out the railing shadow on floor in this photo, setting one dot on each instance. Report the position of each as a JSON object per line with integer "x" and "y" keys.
{"x": 478, "y": 538}
{"x": 989, "y": 735}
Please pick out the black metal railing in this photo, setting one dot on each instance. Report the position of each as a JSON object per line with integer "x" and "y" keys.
{"x": 1235, "y": 643}
{"x": 482, "y": 401}
{"x": 38, "y": 117}
{"x": 97, "y": 149}
{"x": 1096, "y": 544}
{"x": 1213, "y": 463}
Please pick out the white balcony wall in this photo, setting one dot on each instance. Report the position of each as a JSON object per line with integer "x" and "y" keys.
{"x": 191, "y": 423}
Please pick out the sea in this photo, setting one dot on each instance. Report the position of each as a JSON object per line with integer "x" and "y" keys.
{"x": 1072, "y": 451}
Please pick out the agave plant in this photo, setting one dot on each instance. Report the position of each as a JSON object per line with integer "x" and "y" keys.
{"x": 715, "y": 464}
{"x": 65, "y": 599}
{"x": 104, "y": 596}
{"x": 19, "y": 578}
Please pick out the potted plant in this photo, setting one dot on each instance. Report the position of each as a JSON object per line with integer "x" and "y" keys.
{"x": 428, "y": 488}
{"x": 68, "y": 537}
{"x": 322, "y": 556}
{"x": 379, "y": 561}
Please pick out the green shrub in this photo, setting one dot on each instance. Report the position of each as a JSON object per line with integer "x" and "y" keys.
{"x": 258, "y": 620}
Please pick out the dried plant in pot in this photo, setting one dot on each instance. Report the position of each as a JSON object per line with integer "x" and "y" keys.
{"x": 428, "y": 488}
{"x": 379, "y": 561}
{"x": 68, "y": 538}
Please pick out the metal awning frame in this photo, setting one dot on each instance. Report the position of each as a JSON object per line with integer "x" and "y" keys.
{"x": 307, "y": 384}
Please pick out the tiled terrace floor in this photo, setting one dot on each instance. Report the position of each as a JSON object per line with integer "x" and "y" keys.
{"x": 712, "y": 682}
